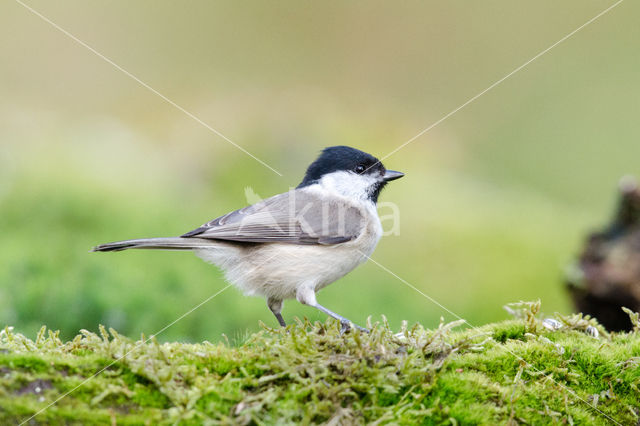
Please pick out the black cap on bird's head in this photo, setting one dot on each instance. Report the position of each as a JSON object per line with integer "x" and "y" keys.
{"x": 346, "y": 159}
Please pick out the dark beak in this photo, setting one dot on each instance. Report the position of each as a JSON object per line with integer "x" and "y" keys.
{"x": 392, "y": 175}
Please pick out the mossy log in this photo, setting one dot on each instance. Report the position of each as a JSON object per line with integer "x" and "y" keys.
{"x": 524, "y": 370}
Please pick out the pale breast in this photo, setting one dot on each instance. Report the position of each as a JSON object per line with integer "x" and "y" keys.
{"x": 277, "y": 269}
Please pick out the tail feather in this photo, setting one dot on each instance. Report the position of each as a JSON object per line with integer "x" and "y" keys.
{"x": 171, "y": 243}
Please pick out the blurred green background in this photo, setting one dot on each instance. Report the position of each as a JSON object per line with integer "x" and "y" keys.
{"x": 496, "y": 200}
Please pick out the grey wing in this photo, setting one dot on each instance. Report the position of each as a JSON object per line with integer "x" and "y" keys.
{"x": 295, "y": 217}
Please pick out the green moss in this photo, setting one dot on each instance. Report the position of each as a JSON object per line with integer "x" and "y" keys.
{"x": 509, "y": 330}
{"x": 514, "y": 371}
{"x": 32, "y": 363}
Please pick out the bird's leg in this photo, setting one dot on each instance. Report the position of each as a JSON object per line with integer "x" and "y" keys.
{"x": 307, "y": 296}
{"x": 345, "y": 324}
{"x": 276, "y": 307}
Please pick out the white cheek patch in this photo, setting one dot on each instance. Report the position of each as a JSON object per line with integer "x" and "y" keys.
{"x": 350, "y": 185}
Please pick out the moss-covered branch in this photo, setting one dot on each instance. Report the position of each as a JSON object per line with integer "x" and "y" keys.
{"x": 521, "y": 371}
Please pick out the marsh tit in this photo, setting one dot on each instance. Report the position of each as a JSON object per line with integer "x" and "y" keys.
{"x": 294, "y": 244}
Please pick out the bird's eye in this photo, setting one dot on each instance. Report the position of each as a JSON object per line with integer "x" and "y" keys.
{"x": 360, "y": 168}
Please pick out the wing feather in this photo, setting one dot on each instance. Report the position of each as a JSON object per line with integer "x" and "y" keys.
{"x": 296, "y": 217}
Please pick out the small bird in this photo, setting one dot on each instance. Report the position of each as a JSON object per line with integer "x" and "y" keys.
{"x": 294, "y": 244}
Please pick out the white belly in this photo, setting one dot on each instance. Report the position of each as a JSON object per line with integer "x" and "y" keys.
{"x": 277, "y": 270}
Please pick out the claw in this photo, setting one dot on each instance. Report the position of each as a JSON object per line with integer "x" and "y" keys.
{"x": 345, "y": 327}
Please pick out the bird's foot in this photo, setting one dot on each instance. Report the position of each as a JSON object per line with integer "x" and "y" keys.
{"x": 345, "y": 327}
